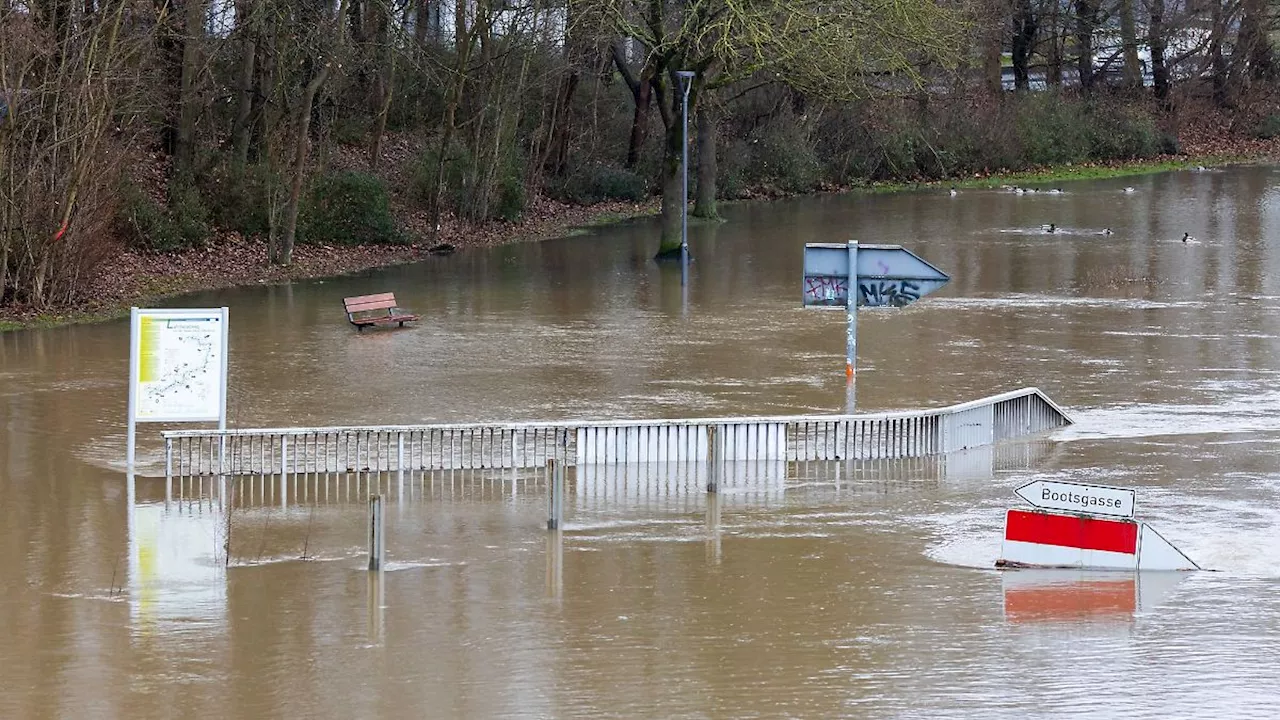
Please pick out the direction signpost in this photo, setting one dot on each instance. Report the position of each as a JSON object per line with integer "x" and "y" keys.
{"x": 1078, "y": 497}
{"x": 850, "y": 275}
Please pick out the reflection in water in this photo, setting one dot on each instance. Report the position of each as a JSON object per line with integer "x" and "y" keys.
{"x": 555, "y": 563}
{"x": 713, "y": 513}
{"x": 1076, "y": 595}
{"x": 376, "y": 600}
{"x": 177, "y": 564}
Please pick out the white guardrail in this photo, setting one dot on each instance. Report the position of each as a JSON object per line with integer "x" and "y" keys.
{"x": 905, "y": 434}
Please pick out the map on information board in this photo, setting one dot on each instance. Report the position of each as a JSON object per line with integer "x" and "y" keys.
{"x": 178, "y": 356}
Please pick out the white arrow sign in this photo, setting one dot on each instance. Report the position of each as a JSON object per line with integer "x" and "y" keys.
{"x": 1078, "y": 497}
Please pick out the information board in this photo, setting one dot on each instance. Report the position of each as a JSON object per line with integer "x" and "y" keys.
{"x": 178, "y": 365}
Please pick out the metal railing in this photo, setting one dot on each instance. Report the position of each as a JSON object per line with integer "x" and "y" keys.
{"x": 914, "y": 433}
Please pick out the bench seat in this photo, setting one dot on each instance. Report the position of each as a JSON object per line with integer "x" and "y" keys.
{"x": 372, "y": 310}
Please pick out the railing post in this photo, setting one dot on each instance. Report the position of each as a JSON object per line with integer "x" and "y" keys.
{"x": 555, "y": 494}
{"x": 284, "y": 467}
{"x": 713, "y": 460}
{"x": 400, "y": 466}
{"x": 377, "y": 542}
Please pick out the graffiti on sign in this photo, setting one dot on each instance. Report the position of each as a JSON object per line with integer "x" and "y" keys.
{"x": 888, "y": 293}
{"x": 825, "y": 290}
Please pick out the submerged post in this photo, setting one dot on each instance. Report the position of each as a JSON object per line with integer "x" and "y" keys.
{"x": 377, "y": 541}
{"x": 713, "y": 460}
{"x": 555, "y": 495}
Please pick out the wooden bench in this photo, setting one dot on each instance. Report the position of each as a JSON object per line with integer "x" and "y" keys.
{"x": 369, "y": 310}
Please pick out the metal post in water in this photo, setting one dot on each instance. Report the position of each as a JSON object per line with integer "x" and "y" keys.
{"x": 713, "y": 460}
{"x": 377, "y": 541}
{"x": 851, "y": 332}
{"x": 555, "y": 477}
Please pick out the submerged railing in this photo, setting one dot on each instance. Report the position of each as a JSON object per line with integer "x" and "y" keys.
{"x": 721, "y": 441}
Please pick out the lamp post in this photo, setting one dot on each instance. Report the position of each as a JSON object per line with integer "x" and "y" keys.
{"x": 686, "y": 82}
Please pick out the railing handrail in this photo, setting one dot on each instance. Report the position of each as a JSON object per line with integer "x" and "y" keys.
{"x": 578, "y": 423}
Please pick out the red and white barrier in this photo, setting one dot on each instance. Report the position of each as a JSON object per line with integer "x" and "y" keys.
{"x": 1040, "y": 539}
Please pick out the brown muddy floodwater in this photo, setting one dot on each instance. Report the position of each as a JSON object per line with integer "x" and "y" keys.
{"x": 830, "y": 592}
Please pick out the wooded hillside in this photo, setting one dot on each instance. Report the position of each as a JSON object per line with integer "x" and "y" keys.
{"x": 160, "y": 124}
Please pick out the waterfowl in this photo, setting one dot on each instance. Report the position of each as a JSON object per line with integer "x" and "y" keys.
{"x": 1186, "y": 237}
{"x": 953, "y": 192}
{"x": 1201, "y": 168}
{"x": 1129, "y": 190}
{"x": 1055, "y": 191}
{"x": 1105, "y": 231}
{"x": 1051, "y": 227}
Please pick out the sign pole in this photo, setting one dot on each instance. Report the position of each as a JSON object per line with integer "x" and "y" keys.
{"x": 133, "y": 388}
{"x": 222, "y": 391}
{"x": 851, "y": 331}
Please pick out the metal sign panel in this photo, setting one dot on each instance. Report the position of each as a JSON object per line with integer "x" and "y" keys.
{"x": 887, "y": 276}
{"x": 1079, "y": 498}
{"x": 178, "y": 365}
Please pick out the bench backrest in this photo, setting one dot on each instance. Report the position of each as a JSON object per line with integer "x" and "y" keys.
{"x": 362, "y": 303}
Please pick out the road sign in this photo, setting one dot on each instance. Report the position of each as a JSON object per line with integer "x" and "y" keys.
{"x": 1038, "y": 539}
{"x": 1078, "y": 497}
{"x": 851, "y": 275}
{"x": 887, "y": 275}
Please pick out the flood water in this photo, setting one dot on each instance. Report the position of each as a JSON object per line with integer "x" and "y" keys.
{"x": 830, "y": 591}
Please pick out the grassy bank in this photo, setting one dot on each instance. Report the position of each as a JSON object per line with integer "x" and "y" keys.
{"x": 1059, "y": 174}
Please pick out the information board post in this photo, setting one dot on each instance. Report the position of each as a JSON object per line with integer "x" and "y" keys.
{"x": 177, "y": 370}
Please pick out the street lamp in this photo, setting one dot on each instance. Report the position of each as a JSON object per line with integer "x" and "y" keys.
{"x": 686, "y": 82}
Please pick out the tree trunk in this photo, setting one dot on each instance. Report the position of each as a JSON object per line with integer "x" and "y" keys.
{"x": 189, "y": 106}
{"x": 1023, "y": 43}
{"x": 465, "y": 41}
{"x": 1129, "y": 37}
{"x": 384, "y": 80}
{"x": 1218, "y": 60}
{"x": 282, "y": 251}
{"x": 244, "y": 90}
{"x": 992, "y": 76}
{"x": 705, "y": 206}
{"x": 642, "y": 93}
{"x": 639, "y": 121}
{"x": 560, "y": 121}
{"x": 169, "y": 52}
{"x": 1156, "y": 39}
{"x": 669, "y": 245}
{"x": 1086, "y": 21}
{"x": 282, "y": 254}
{"x": 1254, "y": 47}
{"x": 1053, "y": 61}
